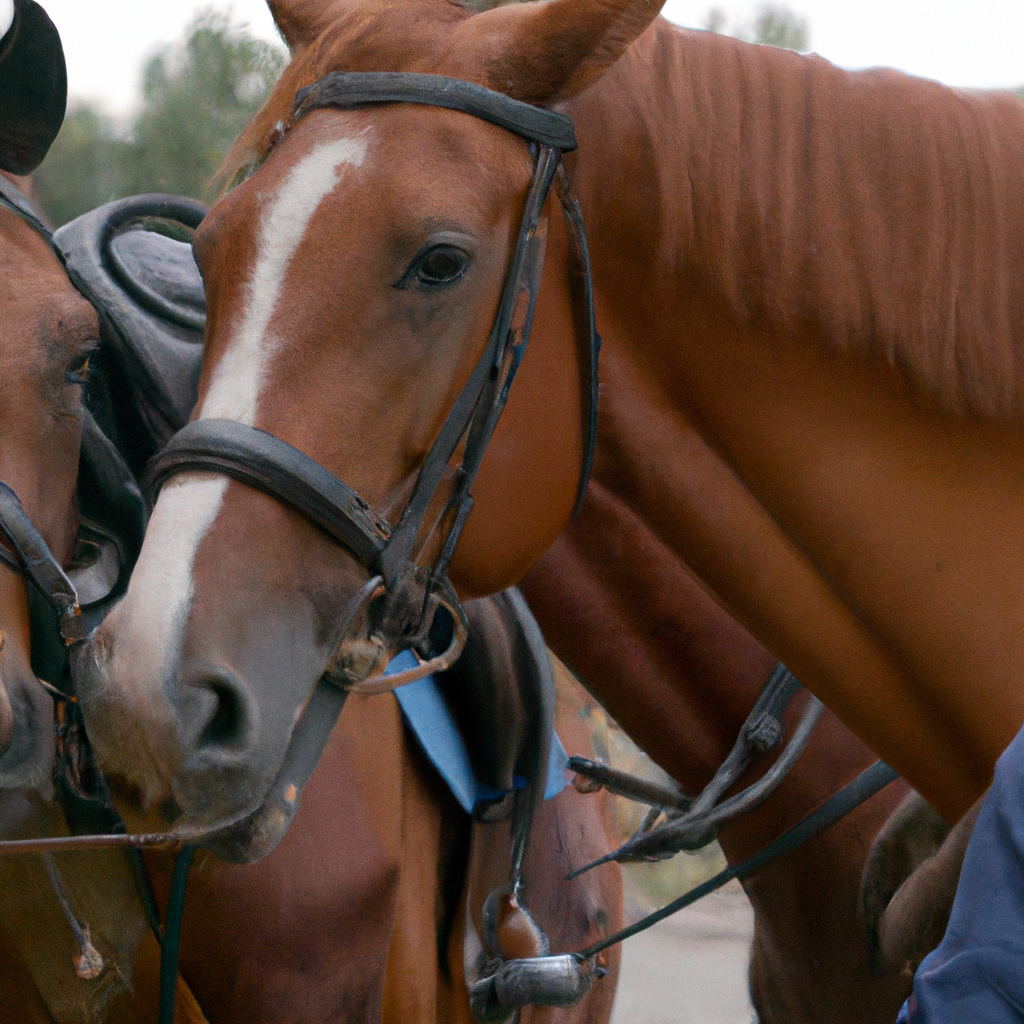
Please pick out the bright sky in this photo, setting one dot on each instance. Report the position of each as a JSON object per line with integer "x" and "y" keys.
{"x": 961, "y": 42}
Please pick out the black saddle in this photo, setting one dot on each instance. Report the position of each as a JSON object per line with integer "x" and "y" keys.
{"x": 134, "y": 259}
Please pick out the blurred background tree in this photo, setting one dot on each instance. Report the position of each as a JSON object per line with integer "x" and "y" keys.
{"x": 772, "y": 25}
{"x": 197, "y": 95}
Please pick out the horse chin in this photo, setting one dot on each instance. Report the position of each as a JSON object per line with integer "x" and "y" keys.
{"x": 255, "y": 835}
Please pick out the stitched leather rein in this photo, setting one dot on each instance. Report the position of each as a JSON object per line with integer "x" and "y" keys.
{"x": 401, "y": 600}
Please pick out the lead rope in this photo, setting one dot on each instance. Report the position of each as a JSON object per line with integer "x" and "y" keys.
{"x": 851, "y": 796}
{"x": 172, "y": 935}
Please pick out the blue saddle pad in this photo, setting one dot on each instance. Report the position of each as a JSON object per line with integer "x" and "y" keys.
{"x": 976, "y": 975}
{"x": 431, "y": 721}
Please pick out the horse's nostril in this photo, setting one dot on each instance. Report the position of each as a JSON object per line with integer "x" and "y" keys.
{"x": 227, "y": 706}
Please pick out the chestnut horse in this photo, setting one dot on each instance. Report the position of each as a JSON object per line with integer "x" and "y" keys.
{"x": 47, "y": 331}
{"x": 369, "y": 884}
{"x": 807, "y": 283}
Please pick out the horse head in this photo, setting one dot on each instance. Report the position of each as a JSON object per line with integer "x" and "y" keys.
{"x": 47, "y": 332}
{"x": 353, "y": 273}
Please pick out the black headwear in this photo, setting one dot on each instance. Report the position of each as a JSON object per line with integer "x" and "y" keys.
{"x": 33, "y": 88}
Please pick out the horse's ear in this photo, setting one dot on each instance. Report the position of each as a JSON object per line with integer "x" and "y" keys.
{"x": 302, "y": 22}
{"x": 550, "y": 50}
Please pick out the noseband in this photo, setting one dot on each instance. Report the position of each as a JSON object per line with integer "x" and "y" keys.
{"x": 400, "y": 589}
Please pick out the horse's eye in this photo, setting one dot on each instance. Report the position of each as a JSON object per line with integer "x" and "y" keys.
{"x": 78, "y": 371}
{"x": 444, "y": 264}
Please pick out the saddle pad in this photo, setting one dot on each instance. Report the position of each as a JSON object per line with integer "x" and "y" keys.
{"x": 430, "y": 719}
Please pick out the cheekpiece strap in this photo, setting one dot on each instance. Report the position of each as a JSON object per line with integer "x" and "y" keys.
{"x": 37, "y": 563}
{"x": 359, "y": 88}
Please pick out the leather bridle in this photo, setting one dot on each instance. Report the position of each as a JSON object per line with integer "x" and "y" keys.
{"x": 401, "y": 592}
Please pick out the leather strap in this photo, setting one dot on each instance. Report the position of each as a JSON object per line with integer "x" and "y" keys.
{"x": 17, "y": 202}
{"x": 852, "y": 795}
{"x": 38, "y": 564}
{"x": 347, "y": 89}
{"x": 273, "y": 466}
{"x": 582, "y": 283}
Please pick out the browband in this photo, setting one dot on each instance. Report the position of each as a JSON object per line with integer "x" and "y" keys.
{"x": 359, "y": 88}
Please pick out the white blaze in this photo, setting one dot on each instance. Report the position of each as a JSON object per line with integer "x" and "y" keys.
{"x": 152, "y": 616}
{"x": 150, "y": 621}
{"x": 6, "y": 16}
{"x": 238, "y": 378}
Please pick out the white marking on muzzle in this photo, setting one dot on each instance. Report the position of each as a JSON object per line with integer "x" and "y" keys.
{"x": 150, "y": 622}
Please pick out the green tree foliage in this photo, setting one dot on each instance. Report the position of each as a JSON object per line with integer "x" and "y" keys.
{"x": 83, "y": 168}
{"x": 779, "y": 26}
{"x": 772, "y": 25}
{"x": 197, "y": 96}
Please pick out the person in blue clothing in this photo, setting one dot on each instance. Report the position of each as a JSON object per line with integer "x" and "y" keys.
{"x": 976, "y": 975}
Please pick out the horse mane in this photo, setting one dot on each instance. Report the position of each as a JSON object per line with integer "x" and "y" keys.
{"x": 878, "y": 212}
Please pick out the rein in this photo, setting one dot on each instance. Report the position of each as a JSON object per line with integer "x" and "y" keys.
{"x": 401, "y": 591}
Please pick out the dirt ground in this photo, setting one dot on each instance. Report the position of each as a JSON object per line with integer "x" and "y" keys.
{"x": 691, "y": 968}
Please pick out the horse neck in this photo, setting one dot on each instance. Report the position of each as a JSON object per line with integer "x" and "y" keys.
{"x": 673, "y": 669}
{"x": 793, "y": 261}
{"x": 678, "y": 672}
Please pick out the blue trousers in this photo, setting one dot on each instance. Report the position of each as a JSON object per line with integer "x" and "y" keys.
{"x": 976, "y": 975}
